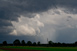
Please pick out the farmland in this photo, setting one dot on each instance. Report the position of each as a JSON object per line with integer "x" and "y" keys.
{"x": 2, "y": 50}
{"x": 43, "y": 48}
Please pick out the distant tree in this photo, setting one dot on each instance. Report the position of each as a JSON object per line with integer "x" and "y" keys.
{"x": 50, "y": 43}
{"x": 38, "y": 43}
{"x": 4, "y": 42}
{"x": 63, "y": 44}
{"x": 76, "y": 43}
{"x": 34, "y": 44}
{"x": 58, "y": 44}
{"x": 29, "y": 43}
{"x": 16, "y": 42}
{"x": 23, "y": 42}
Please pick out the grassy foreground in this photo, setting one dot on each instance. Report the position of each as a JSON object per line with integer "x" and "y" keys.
{"x": 44, "y": 48}
{"x": 2, "y": 50}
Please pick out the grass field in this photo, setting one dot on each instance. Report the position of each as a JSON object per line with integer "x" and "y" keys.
{"x": 2, "y": 50}
{"x": 44, "y": 48}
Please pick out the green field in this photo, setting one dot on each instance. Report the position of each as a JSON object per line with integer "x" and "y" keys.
{"x": 44, "y": 48}
{"x": 2, "y": 50}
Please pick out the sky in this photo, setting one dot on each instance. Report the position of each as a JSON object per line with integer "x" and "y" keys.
{"x": 38, "y": 20}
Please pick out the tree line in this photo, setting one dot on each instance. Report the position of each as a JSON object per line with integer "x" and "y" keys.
{"x": 29, "y": 43}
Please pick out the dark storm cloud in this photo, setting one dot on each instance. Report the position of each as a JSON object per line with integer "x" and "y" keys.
{"x": 5, "y": 30}
{"x": 5, "y": 23}
{"x": 70, "y": 5}
{"x": 10, "y": 10}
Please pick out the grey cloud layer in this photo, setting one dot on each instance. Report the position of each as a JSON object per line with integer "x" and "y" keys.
{"x": 10, "y": 10}
{"x": 67, "y": 35}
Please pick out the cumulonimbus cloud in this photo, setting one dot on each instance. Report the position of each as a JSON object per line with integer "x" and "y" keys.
{"x": 27, "y": 26}
{"x": 32, "y": 17}
{"x": 50, "y": 22}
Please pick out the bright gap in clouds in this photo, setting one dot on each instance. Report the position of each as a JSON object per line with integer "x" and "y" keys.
{"x": 45, "y": 24}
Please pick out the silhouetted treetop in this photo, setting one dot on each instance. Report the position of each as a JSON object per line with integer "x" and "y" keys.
{"x": 16, "y": 42}
{"x": 34, "y": 44}
{"x": 23, "y": 42}
{"x": 38, "y": 43}
{"x": 29, "y": 43}
{"x": 4, "y": 42}
{"x": 50, "y": 42}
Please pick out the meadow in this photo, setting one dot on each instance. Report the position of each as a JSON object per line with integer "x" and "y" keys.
{"x": 2, "y": 50}
{"x": 43, "y": 48}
